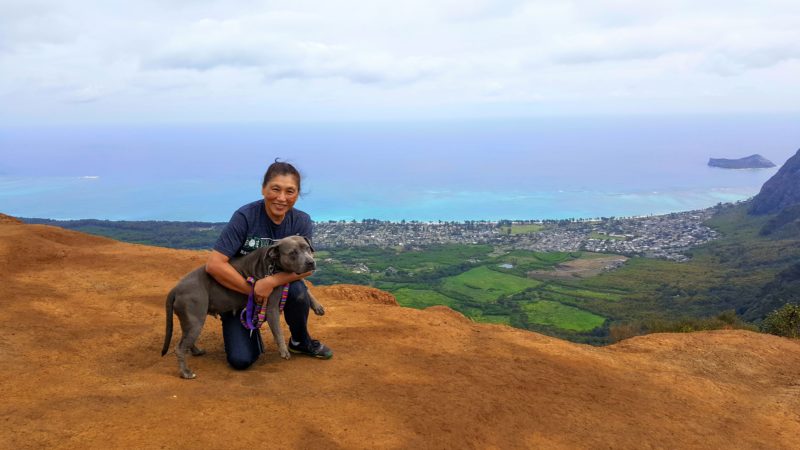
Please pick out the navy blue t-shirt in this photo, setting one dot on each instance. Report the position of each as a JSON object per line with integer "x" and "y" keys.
{"x": 250, "y": 228}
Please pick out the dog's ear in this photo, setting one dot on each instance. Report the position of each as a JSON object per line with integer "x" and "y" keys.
{"x": 272, "y": 252}
{"x": 308, "y": 241}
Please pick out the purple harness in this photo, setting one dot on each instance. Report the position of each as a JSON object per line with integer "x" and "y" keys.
{"x": 253, "y": 320}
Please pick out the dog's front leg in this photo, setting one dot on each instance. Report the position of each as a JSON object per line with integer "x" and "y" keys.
{"x": 274, "y": 321}
{"x": 315, "y": 305}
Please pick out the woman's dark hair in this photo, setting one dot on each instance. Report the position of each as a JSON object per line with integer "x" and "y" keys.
{"x": 281, "y": 168}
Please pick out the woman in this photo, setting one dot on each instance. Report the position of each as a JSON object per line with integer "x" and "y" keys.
{"x": 255, "y": 225}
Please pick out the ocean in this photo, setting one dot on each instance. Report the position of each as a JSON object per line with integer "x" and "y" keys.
{"x": 546, "y": 168}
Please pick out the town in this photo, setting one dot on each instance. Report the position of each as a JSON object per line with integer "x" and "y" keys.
{"x": 666, "y": 236}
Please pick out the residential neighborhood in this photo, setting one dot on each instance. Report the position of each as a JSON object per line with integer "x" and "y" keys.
{"x": 666, "y": 236}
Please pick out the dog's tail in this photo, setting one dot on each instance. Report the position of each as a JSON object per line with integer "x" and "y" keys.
{"x": 168, "y": 336}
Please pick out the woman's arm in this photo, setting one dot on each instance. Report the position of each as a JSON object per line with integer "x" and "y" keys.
{"x": 218, "y": 267}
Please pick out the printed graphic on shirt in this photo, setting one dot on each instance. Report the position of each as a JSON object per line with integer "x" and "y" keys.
{"x": 253, "y": 242}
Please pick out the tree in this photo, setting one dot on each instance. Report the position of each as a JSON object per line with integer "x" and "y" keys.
{"x": 783, "y": 322}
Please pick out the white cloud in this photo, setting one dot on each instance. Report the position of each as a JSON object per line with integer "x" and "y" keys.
{"x": 250, "y": 44}
{"x": 189, "y": 60}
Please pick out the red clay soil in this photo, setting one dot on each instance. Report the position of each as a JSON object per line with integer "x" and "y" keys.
{"x": 80, "y": 367}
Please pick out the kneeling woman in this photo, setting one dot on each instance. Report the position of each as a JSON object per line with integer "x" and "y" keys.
{"x": 255, "y": 225}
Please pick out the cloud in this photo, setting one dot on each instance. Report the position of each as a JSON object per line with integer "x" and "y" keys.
{"x": 735, "y": 61}
{"x": 722, "y": 46}
{"x": 474, "y": 10}
{"x": 210, "y": 45}
{"x": 85, "y": 94}
{"x": 192, "y": 59}
{"x": 23, "y": 24}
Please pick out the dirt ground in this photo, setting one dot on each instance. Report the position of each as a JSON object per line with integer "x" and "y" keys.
{"x": 80, "y": 367}
{"x": 581, "y": 268}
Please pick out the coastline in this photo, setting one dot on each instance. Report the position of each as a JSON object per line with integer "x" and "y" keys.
{"x": 509, "y": 169}
{"x": 77, "y": 198}
{"x": 666, "y": 236}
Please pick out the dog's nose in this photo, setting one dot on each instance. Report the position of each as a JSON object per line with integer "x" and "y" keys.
{"x": 311, "y": 265}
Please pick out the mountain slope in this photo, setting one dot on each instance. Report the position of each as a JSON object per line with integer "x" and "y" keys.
{"x": 780, "y": 191}
{"x": 83, "y": 322}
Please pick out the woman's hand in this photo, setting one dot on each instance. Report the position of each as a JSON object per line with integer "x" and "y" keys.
{"x": 266, "y": 285}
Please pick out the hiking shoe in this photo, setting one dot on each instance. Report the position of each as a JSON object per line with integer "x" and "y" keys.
{"x": 313, "y": 348}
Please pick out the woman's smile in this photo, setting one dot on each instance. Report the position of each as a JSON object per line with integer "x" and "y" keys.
{"x": 280, "y": 195}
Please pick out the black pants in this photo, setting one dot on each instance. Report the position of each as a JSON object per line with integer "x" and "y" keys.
{"x": 243, "y": 348}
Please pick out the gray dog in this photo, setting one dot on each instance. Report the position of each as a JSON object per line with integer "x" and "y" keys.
{"x": 198, "y": 294}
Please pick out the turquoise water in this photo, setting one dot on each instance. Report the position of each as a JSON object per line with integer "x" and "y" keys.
{"x": 433, "y": 171}
{"x": 75, "y": 198}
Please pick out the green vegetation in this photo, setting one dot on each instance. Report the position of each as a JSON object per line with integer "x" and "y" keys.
{"x": 409, "y": 267}
{"x": 505, "y": 320}
{"x": 523, "y": 261}
{"x": 468, "y": 279}
{"x": 521, "y": 229}
{"x": 725, "y": 320}
{"x": 189, "y": 235}
{"x": 732, "y": 282}
{"x": 584, "y": 293}
{"x": 561, "y": 316}
{"x": 783, "y": 322}
{"x": 422, "y": 298}
{"x": 485, "y": 285}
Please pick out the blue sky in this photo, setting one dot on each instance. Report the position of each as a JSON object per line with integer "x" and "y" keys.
{"x": 247, "y": 61}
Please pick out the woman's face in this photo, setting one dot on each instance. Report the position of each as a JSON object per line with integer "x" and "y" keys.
{"x": 280, "y": 194}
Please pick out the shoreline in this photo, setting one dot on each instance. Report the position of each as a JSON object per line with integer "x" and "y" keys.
{"x": 665, "y": 236}
{"x": 515, "y": 221}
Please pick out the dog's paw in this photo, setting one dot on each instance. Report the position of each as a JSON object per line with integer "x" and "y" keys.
{"x": 188, "y": 375}
{"x": 284, "y": 353}
{"x": 319, "y": 310}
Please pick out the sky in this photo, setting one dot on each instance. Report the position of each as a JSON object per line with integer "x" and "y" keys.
{"x": 198, "y": 61}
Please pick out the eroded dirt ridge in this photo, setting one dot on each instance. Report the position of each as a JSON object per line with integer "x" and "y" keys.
{"x": 83, "y": 321}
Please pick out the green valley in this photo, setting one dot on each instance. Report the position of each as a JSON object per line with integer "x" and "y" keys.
{"x": 537, "y": 291}
{"x": 749, "y": 268}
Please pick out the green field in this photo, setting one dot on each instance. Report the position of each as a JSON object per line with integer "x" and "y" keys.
{"x": 468, "y": 279}
{"x": 736, "y": 272}
{"x": 523, "y": 261}
{"x": 485, "y": 285}
{"x": 422, "y": 298}
{"x": 584, "y": 293}
{"x": 410, "y": 267}
{"x": 521, "y": 229}
{"x": 561, "y": 316}
{"x": 490, "y": 318}
{"x": 431, "y": 258}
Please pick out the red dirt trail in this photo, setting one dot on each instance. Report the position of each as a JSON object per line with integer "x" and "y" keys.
{"x": 80, "y": 367}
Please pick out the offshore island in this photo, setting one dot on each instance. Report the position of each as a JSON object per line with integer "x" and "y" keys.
{"x": 748, "y": 162}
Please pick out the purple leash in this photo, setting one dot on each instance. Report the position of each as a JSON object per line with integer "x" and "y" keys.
{"x": 246, "y": 316}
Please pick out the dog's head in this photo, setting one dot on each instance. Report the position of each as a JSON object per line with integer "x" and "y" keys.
{"x": 293, "y": 254}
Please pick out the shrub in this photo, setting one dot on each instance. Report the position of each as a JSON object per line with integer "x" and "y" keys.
{"x": 726, "y": 320}
{"x": 783, "y": 322}
{"x": 618, "y": 332}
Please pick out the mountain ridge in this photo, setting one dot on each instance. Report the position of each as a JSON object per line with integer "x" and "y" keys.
{"x": 782, "y": 190}
{"x": 83, "y": 322}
